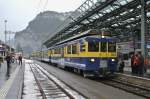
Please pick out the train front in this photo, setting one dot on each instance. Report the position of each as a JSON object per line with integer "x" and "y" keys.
{"x": 101, "y": 56}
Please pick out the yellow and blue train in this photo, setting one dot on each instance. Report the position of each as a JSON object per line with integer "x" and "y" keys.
{"x": 87, "y": 53}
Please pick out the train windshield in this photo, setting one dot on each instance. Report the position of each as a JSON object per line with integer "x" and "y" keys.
{"x": 111, "y": 47}
{"x": 93, "y": 46}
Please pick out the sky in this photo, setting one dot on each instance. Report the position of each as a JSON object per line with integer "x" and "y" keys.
{"x": 19, "y": 13}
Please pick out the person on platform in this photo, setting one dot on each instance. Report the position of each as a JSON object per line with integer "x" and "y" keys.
{"x": 132, "y": 65}
{"x": 136, "y": 63}
{"x": 121, "y": 66}
{"x": 141, "y": 65}
{"x": 20, "y": 59}
{"x": 8, "y": 60}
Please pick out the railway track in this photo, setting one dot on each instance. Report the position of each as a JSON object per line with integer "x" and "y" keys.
{"x": 129, "y": 87}
{"x": 51, "y": 87}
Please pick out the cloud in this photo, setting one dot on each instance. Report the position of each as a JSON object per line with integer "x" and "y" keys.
{"x": 20, "y": 12}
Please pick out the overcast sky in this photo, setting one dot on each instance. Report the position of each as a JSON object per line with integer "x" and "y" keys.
{"x": 19, "y": 12}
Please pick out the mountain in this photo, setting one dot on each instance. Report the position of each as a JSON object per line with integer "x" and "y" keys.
{"x": 42, "y": 27}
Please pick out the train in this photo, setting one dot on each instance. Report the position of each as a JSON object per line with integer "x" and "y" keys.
{"x": 87, "y": 53}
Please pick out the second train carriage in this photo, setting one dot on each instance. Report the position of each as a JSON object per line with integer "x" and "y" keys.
{"x": 88, "y": 53}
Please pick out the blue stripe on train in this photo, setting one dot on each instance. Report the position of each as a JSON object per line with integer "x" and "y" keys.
{"x": 87, "y": 64}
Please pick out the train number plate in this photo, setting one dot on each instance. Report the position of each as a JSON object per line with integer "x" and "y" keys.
{"x": 103, "y": 63}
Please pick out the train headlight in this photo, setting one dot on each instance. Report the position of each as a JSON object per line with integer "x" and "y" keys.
{"x": 92, "y": 60}
{"x": 112, "y": 60}
{"x": 103, "y": 36}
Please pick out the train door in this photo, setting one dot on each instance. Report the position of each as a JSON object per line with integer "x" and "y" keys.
{"x": 103, "y": 49}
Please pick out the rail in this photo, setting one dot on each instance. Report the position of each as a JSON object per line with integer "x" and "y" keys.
{"x": 51, "y": 87}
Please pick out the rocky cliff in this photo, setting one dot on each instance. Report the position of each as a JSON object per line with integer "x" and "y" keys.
{"x": 39, "y": 30}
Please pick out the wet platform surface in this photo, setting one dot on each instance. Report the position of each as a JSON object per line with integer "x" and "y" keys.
{"x": 11, "y": 83}
{"x": 3, "y": 72}
{"x": 127, "y": 70}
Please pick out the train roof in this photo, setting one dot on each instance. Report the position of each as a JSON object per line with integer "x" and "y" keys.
{"x": 88, "y": 35}
{"x": 81, "y": 35}
{"x": 100, "y": 39}
{"x": 87, "y": 38}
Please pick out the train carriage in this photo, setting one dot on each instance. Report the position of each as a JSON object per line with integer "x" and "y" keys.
{"x": 45, "y": 56}
{"x": 89, "y": 54}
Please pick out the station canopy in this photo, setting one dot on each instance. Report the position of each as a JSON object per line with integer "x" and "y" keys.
{"x": 121, "y": 17}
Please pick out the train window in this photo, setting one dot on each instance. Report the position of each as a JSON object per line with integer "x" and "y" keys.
{"x": 93, "y": 46}
{"x": 65, "y": 50}
{"x": 111, "y": 47}
{"x": 82, "y": 47}
{"x": 69, "y": 49}
{"x": 46, "y": 53}
{"x": 57, "y": 51}
{"x": 62, "y": 51}
{"x": 53, "y": 51}
{"x": 74, "y": 49}
{"x": 103, "y": 46}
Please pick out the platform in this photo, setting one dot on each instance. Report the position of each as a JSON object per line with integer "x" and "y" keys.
{"x": 127, "y": 70}
{"x": 11, "y": 86}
